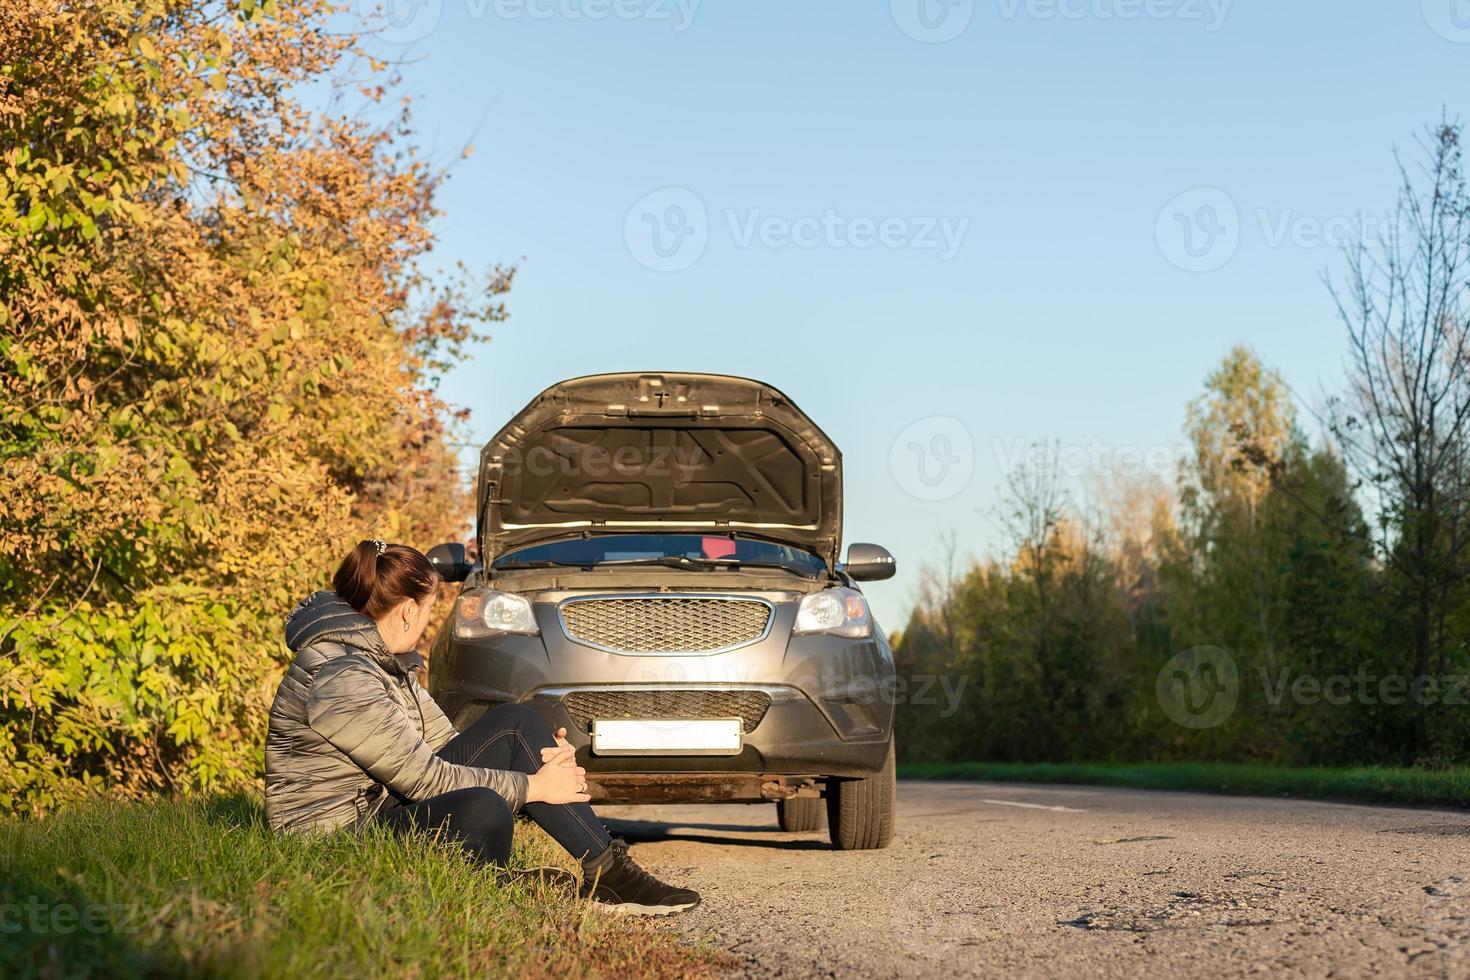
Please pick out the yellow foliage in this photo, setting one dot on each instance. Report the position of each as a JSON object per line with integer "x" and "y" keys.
{"x": 217, "y": 351}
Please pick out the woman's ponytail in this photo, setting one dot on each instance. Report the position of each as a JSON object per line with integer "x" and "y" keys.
{"x": 375, "y": 577}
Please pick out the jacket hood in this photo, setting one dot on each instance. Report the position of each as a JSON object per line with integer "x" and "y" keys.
{"x": 325, "y": 617}
{"x": 660, "y": 452}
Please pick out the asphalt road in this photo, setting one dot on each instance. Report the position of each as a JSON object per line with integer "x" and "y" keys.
{"x": 986, "y": 878}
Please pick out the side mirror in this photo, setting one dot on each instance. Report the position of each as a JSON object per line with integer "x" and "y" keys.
{"x": 869, "y": 563}
{"x": 451, "y": 561}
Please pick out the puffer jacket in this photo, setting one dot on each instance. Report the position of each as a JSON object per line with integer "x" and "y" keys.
{"x": 350, "y": 724}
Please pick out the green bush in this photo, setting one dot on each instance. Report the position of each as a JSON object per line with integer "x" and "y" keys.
{"x": 170, "y": 688}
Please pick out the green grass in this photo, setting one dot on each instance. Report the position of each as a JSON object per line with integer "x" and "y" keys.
{"x": 202, "y": 887}
{"x": 1378, "y": 784}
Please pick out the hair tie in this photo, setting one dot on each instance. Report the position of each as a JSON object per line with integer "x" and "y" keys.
{"x": 379, "y": 545}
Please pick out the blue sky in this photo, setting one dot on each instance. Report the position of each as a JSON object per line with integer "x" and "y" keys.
{"x": 944, "y": 230}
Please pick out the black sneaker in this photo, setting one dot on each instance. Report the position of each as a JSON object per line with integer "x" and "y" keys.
{"x": 614, "y": 879}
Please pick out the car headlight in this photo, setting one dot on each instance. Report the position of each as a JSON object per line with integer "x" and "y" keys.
{"x": 840, "y": 612}
{"x": 490, "y": 612}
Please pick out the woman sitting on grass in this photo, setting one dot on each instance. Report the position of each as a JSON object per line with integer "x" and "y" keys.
{"x": 354, "y": 738}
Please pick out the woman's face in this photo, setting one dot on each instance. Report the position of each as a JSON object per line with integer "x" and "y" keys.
{"x": 405, "y": 623}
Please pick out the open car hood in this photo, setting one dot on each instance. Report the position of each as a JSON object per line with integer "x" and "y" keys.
{"x": 667, "y": 452}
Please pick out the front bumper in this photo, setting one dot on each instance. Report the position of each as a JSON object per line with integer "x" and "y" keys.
{"x": 827, "y": 713}
{"x": 794, "y": 738}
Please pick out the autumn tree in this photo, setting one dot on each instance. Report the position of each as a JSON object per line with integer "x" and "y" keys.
{"x": 1404, "y": 422}
{"x": 1241, "y": 431}
{"x": 218, "y": 349}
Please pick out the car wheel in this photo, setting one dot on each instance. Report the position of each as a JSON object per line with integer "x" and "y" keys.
{"x": 860, "y": 811}
{"x": 799, "y": 814}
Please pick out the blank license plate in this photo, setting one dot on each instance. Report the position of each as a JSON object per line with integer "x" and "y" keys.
{"x": 666, "y": 736}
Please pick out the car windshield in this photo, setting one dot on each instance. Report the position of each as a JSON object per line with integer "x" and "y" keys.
{"x": 663, "y": 548}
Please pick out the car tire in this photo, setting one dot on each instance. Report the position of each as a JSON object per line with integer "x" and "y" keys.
{"x": 799, "y": 814}
{"x": 860, "y": 811}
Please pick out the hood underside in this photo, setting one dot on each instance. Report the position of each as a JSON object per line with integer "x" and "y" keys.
{"x": 674, "y": 452}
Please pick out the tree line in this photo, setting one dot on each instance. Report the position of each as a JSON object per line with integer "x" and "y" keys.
{"x": 1283, "y": 597}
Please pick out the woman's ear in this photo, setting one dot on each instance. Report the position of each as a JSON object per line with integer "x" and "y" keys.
{"x": 405, "y": 614}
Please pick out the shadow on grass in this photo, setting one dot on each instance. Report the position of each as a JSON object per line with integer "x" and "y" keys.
{"x": 238, "y": 811}
{"x": 61, "y": 916}
{"x": 54, "y": 928}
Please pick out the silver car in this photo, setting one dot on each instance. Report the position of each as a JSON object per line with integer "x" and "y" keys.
{"x": 659, "y": 573}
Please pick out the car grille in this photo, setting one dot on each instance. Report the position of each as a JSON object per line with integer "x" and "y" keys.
{"x": 749, "y": 706}
{"x": 665, "y": 624}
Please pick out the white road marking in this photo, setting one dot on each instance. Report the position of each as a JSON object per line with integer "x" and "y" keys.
{"x": 1035, "y": 806}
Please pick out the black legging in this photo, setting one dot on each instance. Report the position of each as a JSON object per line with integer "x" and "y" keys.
{"x": 510, "y": 736}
